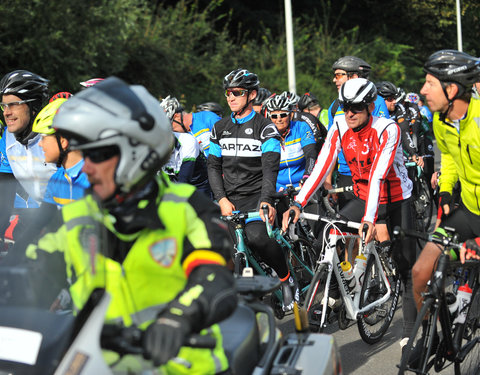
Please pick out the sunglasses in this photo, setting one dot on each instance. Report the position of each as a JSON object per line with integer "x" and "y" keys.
{"x": 3, "y": 106}
{"x": 235, "y": 92}
{"x": 97, "y": 155}
{"x": 278, "y": 115}
{"x": 354, "y": 108}
{"x": 390, "y": 99}
{"x": 338, "y": 75}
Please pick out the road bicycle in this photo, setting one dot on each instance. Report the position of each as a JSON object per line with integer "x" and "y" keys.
{"x": 455, "y": 342}
{"x": 373, "y": 300}
{"x": 298, "y": 255}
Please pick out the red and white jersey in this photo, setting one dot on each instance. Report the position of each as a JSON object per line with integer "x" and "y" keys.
{"x": 375, "y": 157}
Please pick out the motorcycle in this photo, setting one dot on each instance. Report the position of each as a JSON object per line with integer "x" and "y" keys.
{"x": 41, "y": 331}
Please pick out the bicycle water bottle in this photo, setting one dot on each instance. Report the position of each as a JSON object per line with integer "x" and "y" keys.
{"x": 464, "y": 296}
{"x": 359, "y": 270}
{"x": 348, "y": 274}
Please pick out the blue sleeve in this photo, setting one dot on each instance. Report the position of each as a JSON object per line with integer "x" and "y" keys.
{"x": 4, "y": 164}
{"x": 270, "y": 145}
{"x": 215, "y": 150}
{"x": 381, "y": 109}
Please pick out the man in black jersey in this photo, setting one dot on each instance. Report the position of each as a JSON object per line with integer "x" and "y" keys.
{"x": 242, "y": 169}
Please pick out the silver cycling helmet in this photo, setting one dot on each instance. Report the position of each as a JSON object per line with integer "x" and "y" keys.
{"x": 171, "y": 105}
{"x": 112, "y": 113}
{"x": 278, "y": 103}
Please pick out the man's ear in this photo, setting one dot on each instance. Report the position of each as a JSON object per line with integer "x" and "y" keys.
{"x": 452, "y": 90}
{"x": 252, "y": 95}
{"x": 371, "y": 107}
{"x": 64, "y": 142}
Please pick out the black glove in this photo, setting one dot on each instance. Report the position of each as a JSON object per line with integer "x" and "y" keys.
{"x": 445, "y": 199}
{"x": 164, "y": 338}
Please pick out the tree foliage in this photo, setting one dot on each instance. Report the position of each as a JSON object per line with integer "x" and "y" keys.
{"x": 185, "y": 48}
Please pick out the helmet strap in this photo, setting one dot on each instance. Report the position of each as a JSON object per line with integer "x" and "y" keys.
{"x": 181, "y": 122}
{"x": 63, "y": 152}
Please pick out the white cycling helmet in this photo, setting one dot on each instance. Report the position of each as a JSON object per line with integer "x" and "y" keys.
{"x": 171, "y": 105}
{"x": 357, "y": 91}
{"x": 112, "y": 113}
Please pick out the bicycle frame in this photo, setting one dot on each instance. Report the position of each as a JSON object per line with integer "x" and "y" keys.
{"x": 331, "y": 260}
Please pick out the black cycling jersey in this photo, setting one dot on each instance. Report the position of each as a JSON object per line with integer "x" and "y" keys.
{"x": 244, "y": 158}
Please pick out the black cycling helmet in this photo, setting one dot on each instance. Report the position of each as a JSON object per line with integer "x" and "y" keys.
{"x": 307, "y": 100}
{"x": 262, "y": 95}
{"x": 26, "y": 85}
{"x": 241, "y": 78}
{"x": 386, "y": 89}
{"x": 353, "y": 64}
{"x": 452, "y": 66}
{"x": 212, "y": 107}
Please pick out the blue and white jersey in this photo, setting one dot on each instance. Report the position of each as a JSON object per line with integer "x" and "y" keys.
{"x": 425, "y": 112}
{"x": 380, "y": 110}
{"x": 27, "y": 163}
{"x": 67, "y": 185}
{"x": 292, "y": 157}
{"x": 201, "y": 128}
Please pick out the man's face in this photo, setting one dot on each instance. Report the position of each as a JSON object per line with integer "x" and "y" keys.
{"x": 176, "y": 123}
{"x": 50, "y": 148}
{"x": 17, "y": 116}
{"x": 101, "y": 174}
{"x": 341, "y": 76}
{"x": 434, "y": 95}
{"x": 237, "y": 98}
{"x": 390, "y": 102}
{"x": 281, "y": 119}
{"x": 356, "y": 116}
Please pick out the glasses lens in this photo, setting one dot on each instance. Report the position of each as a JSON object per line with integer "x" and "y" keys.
{"x": 235, "y": 92}
{"x": 339, "y": 75}
{"x": 279, "y": 115}
{"x": 354, "y": 108}
{"x": 97, "y": 155}
{"x": 390, "y": 99}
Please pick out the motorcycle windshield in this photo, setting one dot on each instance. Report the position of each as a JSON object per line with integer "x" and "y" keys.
{"x": 43, "y": 265}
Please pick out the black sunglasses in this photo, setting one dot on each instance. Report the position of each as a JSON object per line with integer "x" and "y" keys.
{"x": 354, "y": 108}
{"x": 99, "y": 154}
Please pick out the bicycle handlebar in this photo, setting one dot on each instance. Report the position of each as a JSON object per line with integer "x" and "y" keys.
{"x": 315, "y": 217}
{"x": 428, "y": 237}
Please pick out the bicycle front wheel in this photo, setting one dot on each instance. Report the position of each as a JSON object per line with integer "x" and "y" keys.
{"x": 411, "y": 350}
{"x": 373, "y": 324}
{"x": 469, "y": 356}
{"x": 303, "y": 260}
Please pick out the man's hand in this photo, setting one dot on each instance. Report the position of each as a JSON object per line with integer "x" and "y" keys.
{"x": 271, "y": 212}
{"x": 164, "y": 338}
{"x": 419, "y": 160}
{"x": 226, "y": 207}
{"x": 286, "y": 216}
{"x": 470, "y": 250}
{"x": 370, "y": 235}
{"x": 445, "y": 199}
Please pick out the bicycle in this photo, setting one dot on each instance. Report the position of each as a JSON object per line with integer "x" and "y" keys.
{"x": 245, "y": 259}
{"x": 373, "y": 300}
{"x": 458, "y": 343}
{"x": 422, "y": 199}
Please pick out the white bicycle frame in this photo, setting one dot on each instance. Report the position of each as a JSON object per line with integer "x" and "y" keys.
{"x": 330, "y": 258}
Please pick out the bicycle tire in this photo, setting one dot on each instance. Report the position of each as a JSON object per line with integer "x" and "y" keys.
{"x": 314, "y": 297}
{"x": 470, "y": 365}
{"x": 409, "y": 348}
{"x": 427, "y": 220}
{"x": 373, "y": 324}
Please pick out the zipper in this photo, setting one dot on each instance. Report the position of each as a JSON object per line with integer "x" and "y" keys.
{"x": 469, "y": 156}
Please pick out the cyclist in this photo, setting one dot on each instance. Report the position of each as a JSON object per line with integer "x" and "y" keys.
{"x": 23, "y": 95}
{"x": 198, "y": 124}
{"x": 262, "y": 95}
{"x": 382, "y": 189}
{"x": 187, "y": 163}
{"x": 308, "y": 111}
{"x": 309, "y": 103}
{"x": 243, "y": 167}
{"x": 298, "y": 152}
{"x": 68, "y": 183}
{"x": 166, "y": 237}
{"x": 450, "y": 75}
{"x": 345, "y": 68}
{"x": 211, "y": 107}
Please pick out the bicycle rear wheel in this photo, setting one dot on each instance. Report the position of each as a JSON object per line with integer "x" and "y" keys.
{"x": 422, "y": 365}
{"x": 303, "y": 261}
{"x": 470, "y": 365}
{"x": 373, "y": 324}
{"x": 314, "y": 297}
